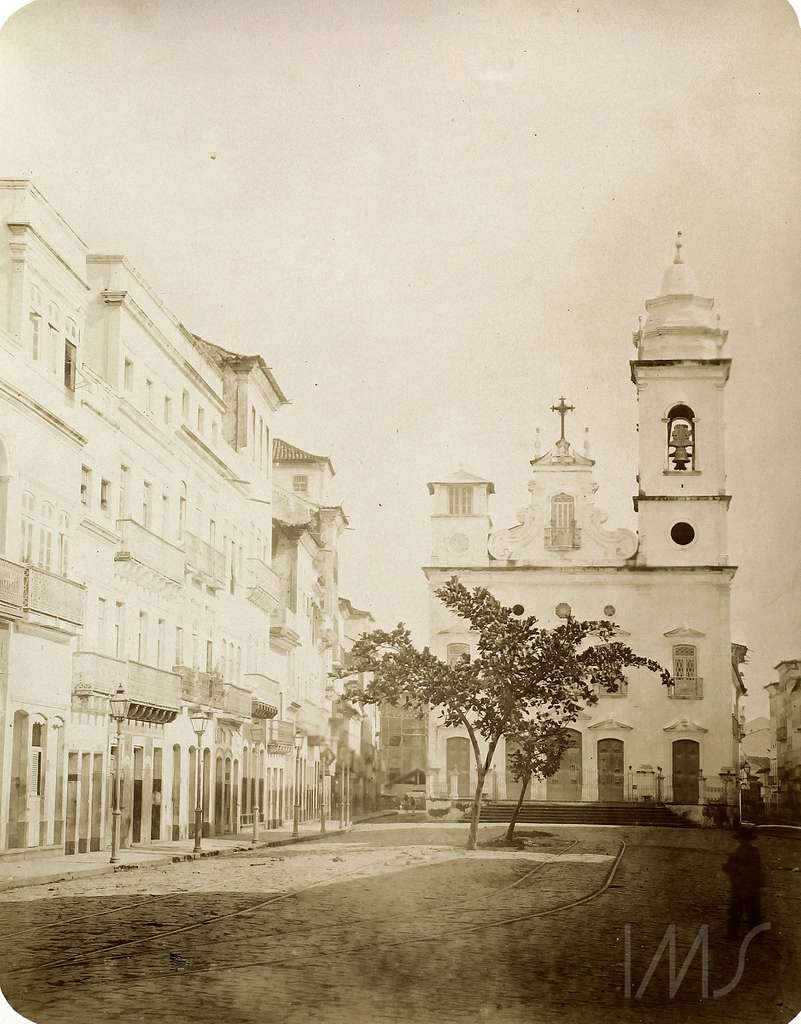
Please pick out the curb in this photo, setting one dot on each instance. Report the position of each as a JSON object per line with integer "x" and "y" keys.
{"x": 177, "y": 858}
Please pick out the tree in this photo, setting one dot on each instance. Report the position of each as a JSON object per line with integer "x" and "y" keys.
{"x": 537, "y": 753}
{"x": 522, "y": 674}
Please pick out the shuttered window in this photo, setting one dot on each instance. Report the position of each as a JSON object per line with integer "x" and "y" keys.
{"x": 685, "y": 671}
{"x": 460, "y": 501}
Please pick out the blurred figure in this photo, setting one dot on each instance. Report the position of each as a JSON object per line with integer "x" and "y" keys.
{"x": 744, "y": 868}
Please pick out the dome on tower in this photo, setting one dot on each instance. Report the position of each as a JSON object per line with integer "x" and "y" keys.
{"x": 680, "y": 323}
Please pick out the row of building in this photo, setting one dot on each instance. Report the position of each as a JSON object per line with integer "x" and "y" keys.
{"x": 156, "y": 536}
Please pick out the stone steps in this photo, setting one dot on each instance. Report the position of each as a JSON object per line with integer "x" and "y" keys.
{"x": 548, "y": 812}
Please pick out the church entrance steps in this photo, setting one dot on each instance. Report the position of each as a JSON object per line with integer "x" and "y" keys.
{"x": 549, "y": 812}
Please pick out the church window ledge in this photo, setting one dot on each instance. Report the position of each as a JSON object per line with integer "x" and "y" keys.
{"x": 682, "y": 472}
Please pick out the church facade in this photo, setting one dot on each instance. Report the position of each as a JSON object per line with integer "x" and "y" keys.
{"x": 667, "y": 586}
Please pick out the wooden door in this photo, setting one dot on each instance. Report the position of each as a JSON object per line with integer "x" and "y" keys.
{"x": 610, "y": 769}
{"x": 686, "y": 762}
{"x": 566, "y": 783}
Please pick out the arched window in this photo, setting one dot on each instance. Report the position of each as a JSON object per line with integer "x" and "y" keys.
{"x": 562, "y": 533}
{"x": 681, "y": 438}
{"x": 457, "y": 652}
{"x": 686, "y": 681}
{"x": 45, "y": 554}
{"x": 63, "y": 543}
{"x": 26, "y": 553}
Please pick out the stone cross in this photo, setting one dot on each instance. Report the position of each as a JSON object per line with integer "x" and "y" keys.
{"x": 562, "y": 409}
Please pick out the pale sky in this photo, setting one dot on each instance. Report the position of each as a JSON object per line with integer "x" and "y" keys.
{"x": 434, "y": 218}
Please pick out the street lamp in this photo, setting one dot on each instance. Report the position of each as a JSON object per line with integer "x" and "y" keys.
{"x": 199, "y": 720}
{"x": 326, "y": 772}
{"x": 296, "y": 808}
{"x": 119, "y": 712}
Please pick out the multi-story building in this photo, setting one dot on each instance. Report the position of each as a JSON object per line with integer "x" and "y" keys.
{"x": 668, "y": 586}
{"x": 357, "y": 729}
{"x": 785, "y": 735}
{"x": 146, "y": 547}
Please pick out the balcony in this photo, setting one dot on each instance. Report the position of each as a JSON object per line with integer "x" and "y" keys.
{"x": 155, "y": 688}
{"x": 12, "y": 586}
{"x": 237, "y": 701}
{"x": 562, "y": 538}
{"x": 197, "y": 687}
{"x": 154, "y": 693}
{"x": 283, "y": 628}
{"x": 208, "y": 689}
{"x": 687, "y": 689}
{"x": 263, "y": 689}
{"x": 148, "y": 558}
{"x": 204, "y": 562}
{"x": 264, "y": 585}
{"x": 54, "y": 597}
{"x": 280, "y": 737}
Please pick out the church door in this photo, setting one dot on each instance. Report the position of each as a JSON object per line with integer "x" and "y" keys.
{"x": 686, "y": 761}
{"x": 457, "y": 753}
{"x": 566, "y": 783}
{"x": 610, "y": 769}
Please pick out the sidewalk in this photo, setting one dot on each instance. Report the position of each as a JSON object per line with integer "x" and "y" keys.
{"x": 46, "y": 870}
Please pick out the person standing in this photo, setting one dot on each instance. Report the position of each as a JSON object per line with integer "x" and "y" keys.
{"x": 744, "y": 868}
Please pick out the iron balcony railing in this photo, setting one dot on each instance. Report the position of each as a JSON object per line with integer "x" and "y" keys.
{"x": 55, "y": 596}
{"x": 31, "y": 589}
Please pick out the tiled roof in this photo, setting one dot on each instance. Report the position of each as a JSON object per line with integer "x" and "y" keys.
{"x": 283, "y": 451}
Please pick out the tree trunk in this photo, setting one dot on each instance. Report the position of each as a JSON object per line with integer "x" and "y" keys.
{"x": 511, "y": 830}
{"x": 472, "y": 835}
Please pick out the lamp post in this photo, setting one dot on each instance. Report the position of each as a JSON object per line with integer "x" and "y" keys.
{"x": 342, "y": 795}
{"x": 347, "y": 793}
{"x": 119, "y": 712}
{"x": 296, "y": 808}
{"x": 199, "y": 720}
{"x": 326, "y": 771}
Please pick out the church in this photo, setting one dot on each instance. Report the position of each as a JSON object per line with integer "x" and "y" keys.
{"x": 667, "y": 586}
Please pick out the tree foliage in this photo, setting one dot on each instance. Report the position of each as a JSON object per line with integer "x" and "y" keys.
{"x": 526, "y": 681}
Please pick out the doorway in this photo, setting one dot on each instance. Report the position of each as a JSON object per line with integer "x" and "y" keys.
{"x": 610, "y": 770}
{"x": 686, "y": 766}
{"x": 566, "y": 783}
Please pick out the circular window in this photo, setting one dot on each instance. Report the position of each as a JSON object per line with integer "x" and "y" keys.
{"x": 682, "y": 533}
{"x": 518, "y": 609}
{"x": 609, "y": 611}
{"x": 563, "y": 610}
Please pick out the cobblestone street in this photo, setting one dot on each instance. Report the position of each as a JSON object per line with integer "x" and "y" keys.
{"x": 397, "y": 923}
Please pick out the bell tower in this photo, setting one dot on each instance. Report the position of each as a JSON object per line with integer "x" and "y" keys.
{"x": 680, "y": 376}
{"x": 460, "y": 521}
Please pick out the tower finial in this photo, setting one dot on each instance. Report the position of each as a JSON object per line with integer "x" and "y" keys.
{"x": 537, "y": 441}
{"x": 587, "y": 442}
{"x": 678, "y": 243}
